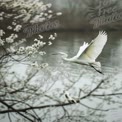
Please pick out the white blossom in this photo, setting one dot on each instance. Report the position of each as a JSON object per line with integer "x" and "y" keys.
{"x": 49, "y": 43}
{"x": 1, "y": 32}
{"x": 21, "y": 50}
{"x": 14, "y": 36}
{"x": 58, "y": 13}
{"x": 51, "y": 37}
{"x": 40, "y": 36}
{"x": 9, "y": 40}
{"x": 43, "y": 7}
{"x": 42, "y": 53}
{"x": 30, "y": 50}
{"x": 14, "y": 23}
{"x": 55, "y": 34}
{"x": 36, "y": 40}
{"x": 35, "y": 64}
{"x": 41, "y": 43}
{"x": 18, "y": 28}
{"x": 37, "y": 19}
{"x": 35, "y": 45}
{"x": 1, "y": 42}
{"x": 50, "y": 11}
{"x": 9, "y": 27}
{"x": 11, "y": 49}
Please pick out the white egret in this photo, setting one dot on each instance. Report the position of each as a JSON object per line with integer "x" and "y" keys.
{"x": 88, "y": 53}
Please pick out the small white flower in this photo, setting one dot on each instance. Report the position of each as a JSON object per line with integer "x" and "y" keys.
{"x": 34, "y": 45}
{"x": 42, "y": 53}
{"x": 51, "y": 36}
{"x": 18, "y": 28}
{"x": 9, "y": 27}
{"x": 21, "y": 49}
{"x": 41, "y": 43}
{"x": 36, "y": 40}
{"x": 2, "y": 32}
{"x": 30, "y": 52}
{"x": 9, "y": 40}
{"x": 58, "y": 13}
{"x": 49, "y": 43}
{"x": 35, "y": 64}
{"x": 43, "y": 8}
{"x": 55, "y": 34}
{"x": 14, "y": 36}
{"x": 40, "y": 36}
{"x": 1, "y": 42}
{"x": 11, "y": 49}
{"x": 13, "y": 23}
{"x": 50, "y": 11}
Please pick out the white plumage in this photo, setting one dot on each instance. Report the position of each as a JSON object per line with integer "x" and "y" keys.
{"x": 88, "y": 53}
{"x": 95, "y": 47}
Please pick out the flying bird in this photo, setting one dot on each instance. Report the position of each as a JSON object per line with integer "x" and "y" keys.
{"x": 88, "y": 53}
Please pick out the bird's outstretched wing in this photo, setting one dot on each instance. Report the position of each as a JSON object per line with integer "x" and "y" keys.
{"x": 81, "y": 50}
{"x": 95, "y": 47}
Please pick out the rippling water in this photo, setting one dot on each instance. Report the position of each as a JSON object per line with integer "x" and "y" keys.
{"x": 110, "y": 58}
{"x": 69, "y": 42}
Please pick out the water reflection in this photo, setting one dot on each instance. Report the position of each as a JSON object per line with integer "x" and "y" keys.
{"x": 63, "y": 72}
{"x": 69, "y": 42}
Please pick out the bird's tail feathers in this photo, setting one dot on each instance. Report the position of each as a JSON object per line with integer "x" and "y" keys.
{"x": 97, "y": 66}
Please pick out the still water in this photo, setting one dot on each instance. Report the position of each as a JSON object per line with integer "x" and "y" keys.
{"x": 110, "y": 58}
{"x": 69, "y": 42}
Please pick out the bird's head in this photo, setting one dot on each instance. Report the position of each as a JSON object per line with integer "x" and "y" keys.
{"x": 63, "y": 55}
